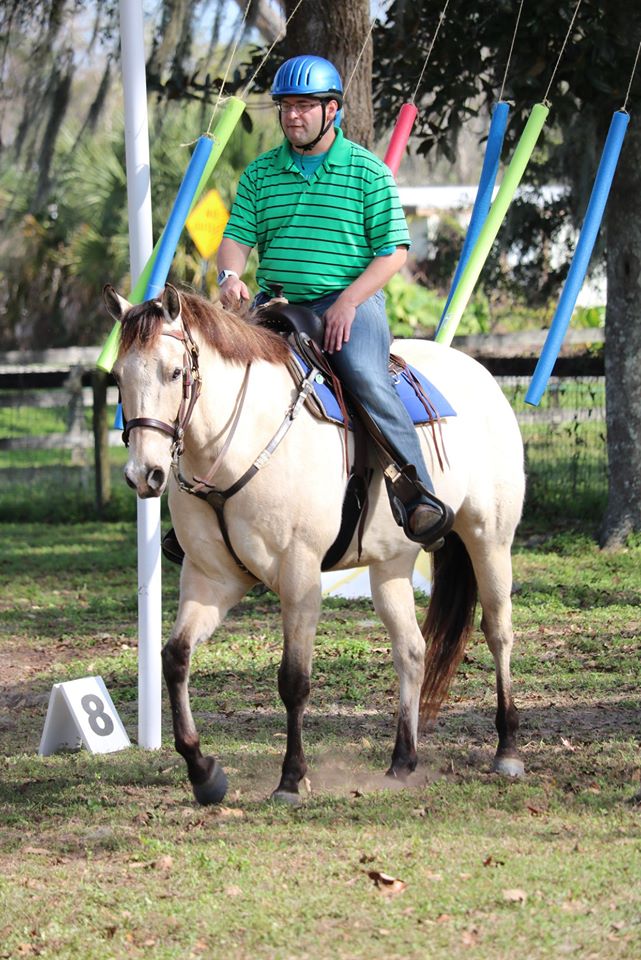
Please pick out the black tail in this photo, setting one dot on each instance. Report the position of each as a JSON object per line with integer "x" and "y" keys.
{"x": 448, "y": 622}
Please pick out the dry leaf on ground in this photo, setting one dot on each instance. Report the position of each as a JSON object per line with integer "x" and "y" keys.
{"x": 385, "y": 883}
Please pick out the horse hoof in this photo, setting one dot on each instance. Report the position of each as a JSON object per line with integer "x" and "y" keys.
{"x": 401, "y": 774}
{"x": 285, "y": 796}
{"x": 214, "y": 788}
{"x": 508, "y": 767}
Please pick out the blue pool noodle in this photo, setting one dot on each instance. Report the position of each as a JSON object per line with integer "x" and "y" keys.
{"x": 173, "y": 229}
{"x": 484, "y": 193}
{"x": 581, "y": 258}
{"x": 177, "y": 217}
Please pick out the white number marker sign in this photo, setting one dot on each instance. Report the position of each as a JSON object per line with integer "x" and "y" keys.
{"x": 81, "y": 712}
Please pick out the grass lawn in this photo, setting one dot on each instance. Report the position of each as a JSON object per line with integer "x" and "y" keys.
{"x": 109, "y": 856}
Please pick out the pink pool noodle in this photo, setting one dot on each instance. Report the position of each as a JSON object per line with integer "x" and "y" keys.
{"x": 400, "y": 136}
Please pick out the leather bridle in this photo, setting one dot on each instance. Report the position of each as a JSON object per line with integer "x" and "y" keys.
{"x": 203, "y": 488}
{"x": 191, "y": 387}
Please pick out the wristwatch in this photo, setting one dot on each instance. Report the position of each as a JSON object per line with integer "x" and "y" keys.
{"x": 222, "y": 276}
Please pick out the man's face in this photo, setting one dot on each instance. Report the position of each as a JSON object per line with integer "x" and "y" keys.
{"x": 301, "y": 118}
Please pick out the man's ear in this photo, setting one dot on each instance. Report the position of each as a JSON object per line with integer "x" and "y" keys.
{"x": 116, "y": 305}
{"x": 332, "y": 108}
{"x": 171, "y": 302}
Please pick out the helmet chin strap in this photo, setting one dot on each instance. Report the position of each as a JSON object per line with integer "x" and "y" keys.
{"x": 324, "y": 128}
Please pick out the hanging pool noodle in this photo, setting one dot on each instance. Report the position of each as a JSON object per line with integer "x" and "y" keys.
{"x": 173, "y": 228}
{"x": 176, "y": 222}
{"x": 220, "y": 136}
{"x": 492, "y": 224}
{"x": 400, "y": 136}
{"x": 581, "y": 258}
{"x": 484, "y": 193}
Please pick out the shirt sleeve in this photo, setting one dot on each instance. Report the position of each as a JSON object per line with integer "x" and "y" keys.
{"x": 241, "y": 225}
{"x": 385, "y": 221}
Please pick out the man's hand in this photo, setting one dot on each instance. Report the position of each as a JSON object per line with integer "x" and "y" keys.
{"x": 338, "y": 323}
{"x": 232, "y": 291}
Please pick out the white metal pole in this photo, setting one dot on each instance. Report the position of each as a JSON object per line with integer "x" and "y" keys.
{"x": 140, "y": 249}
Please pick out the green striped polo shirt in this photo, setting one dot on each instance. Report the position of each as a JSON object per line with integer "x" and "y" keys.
{"x": 315, "y": 236}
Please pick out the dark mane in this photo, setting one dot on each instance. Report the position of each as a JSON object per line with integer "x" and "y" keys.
{"x": 227, "y": 333}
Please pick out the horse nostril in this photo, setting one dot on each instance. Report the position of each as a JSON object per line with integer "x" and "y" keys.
{"x": 156, "y": 478}
{"x": 128, "y": 479}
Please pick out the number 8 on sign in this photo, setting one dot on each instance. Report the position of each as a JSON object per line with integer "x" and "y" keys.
{"x": 99, "y": 721}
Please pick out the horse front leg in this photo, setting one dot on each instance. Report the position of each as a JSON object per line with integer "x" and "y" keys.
{"x": 203, "y": 605}
{"x": 301, "y": 610}
{"x": 393, "y": 597}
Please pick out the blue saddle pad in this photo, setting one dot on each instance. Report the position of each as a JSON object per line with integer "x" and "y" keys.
{"x": 404, "y": 388}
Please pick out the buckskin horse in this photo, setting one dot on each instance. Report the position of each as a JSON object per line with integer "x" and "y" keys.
{"x": 207, "y": 395}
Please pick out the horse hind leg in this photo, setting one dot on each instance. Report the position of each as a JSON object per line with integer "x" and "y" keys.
{"x": 494, "y": 575}
{"x": 393, "y": 597}
{"x": 203, "y": 605}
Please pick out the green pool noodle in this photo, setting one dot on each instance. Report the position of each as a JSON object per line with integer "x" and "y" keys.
{"x": 222, "y": 132}
{"x": 497, "y": 211}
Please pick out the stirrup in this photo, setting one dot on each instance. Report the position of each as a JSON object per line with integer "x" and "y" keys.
{"x": 434, "y": 538}
{"x": 401, "y": 489}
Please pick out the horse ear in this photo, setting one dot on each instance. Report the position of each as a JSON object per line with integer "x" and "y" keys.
{"x": 171, "y": 302}
{"x": 116, "y": 305}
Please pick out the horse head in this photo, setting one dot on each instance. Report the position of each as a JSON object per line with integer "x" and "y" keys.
{"x": 159, "y": 382}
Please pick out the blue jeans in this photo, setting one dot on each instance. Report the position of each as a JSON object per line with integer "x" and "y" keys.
{"x": 363, "y": 367}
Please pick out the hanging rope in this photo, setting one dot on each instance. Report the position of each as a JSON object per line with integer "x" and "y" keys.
{"x": 375, "y": 20}
{"x": 359, "y": 57}
{"x": 429, "y": 52}
{"x": 509, "y": 56}
{"x": 558, "y": 61}
{"x": 634, "y": 70}
{"x": 266, "y": 57}
{"x": 228, "y": 68}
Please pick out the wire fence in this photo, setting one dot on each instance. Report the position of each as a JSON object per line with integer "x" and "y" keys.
{"x": 47, "y": 469}
{"x": 565, "y": 444}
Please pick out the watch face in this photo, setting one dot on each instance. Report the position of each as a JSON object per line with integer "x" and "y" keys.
{"x": 221, "y": 277}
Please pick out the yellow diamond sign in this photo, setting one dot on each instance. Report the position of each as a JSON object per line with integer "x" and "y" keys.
{"x": 206, "y": 223}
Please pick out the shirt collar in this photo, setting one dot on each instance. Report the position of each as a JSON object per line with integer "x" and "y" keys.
{"x": 339, "y": 154}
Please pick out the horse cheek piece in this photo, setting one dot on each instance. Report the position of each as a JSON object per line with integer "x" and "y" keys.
{"x": 281, "y": 514}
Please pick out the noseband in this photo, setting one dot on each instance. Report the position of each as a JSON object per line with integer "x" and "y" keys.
{"x": 191, "y": 387}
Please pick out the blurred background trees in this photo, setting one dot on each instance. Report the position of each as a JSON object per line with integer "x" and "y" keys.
{"x": 62, "y": 179}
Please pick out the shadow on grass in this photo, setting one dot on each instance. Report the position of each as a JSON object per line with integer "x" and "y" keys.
{"x": 573, "y": 746}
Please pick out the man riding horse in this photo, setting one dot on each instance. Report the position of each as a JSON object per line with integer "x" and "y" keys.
{"x": 326, "y": 218}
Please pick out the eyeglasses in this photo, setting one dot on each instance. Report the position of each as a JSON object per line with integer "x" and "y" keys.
{"x": 301, "y": 108}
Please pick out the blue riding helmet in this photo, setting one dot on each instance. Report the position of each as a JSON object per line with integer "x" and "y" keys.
{"x": 308, "y": 76}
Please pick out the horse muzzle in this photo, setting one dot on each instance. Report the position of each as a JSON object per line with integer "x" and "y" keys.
{"x": 147, "y": 481}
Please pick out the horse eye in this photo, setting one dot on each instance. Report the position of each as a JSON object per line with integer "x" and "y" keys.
{"x": 176, "y": 374}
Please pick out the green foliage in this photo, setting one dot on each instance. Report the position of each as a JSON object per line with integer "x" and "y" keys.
{"x": 468, "y": 63}
{"x": 588, "y": 318}
{"x": 414, "y": 310}
{"x": 476, "y": 318}
{"x": 466, "y": 71}
{"x": 55, "y": 258}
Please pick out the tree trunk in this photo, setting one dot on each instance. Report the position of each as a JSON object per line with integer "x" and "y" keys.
{"x": 267, "y": 21}
{"x": 339, "y": 31}
{"x": 623, "y": 346}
